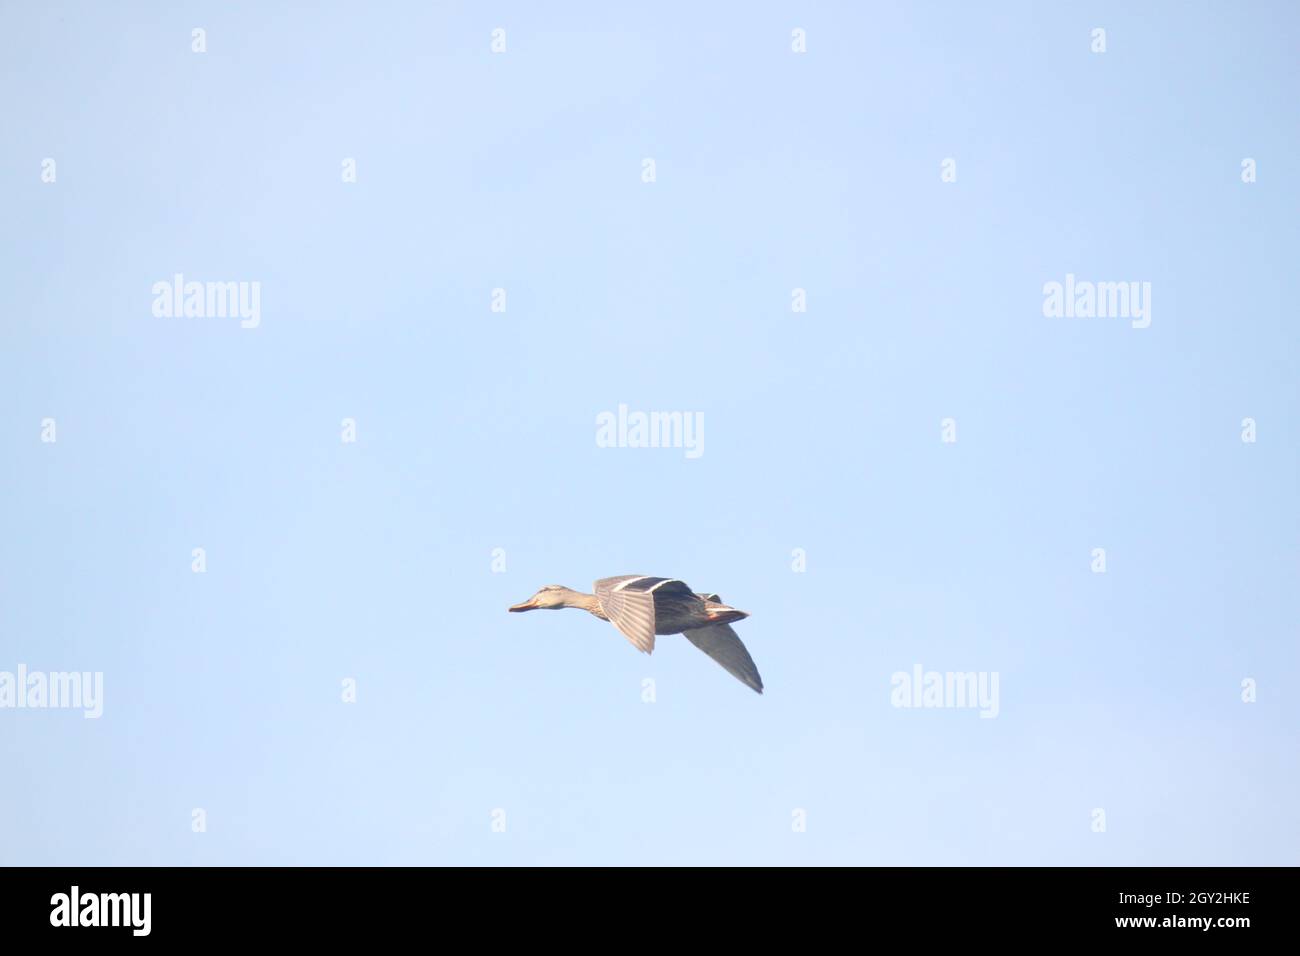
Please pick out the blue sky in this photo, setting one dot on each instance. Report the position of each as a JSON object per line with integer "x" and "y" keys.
{"x": 522, "y": 170}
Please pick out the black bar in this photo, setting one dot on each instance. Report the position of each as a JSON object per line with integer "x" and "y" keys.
{"x": 207, "y": 905}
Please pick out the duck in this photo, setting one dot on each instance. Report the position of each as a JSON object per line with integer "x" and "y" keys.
{"x": 642, "y": 606}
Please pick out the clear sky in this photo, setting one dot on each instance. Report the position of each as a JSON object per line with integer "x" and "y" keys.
{"x": 774, "y": 170}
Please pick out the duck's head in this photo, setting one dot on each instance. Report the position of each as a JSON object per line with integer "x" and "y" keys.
{"x": 551, "y": 597}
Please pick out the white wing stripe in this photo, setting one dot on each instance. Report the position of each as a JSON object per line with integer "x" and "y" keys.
{"x": 624, "y": 584}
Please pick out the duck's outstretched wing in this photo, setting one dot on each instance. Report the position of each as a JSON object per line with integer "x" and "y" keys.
{"x": 720, "y": 642}
{"x": 629, "y": 603}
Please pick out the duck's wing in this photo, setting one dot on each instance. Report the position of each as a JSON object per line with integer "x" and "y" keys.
{"x": 632, "y": 611}
{"x": 721, "y": 643}
{"x": 629, "y": 603}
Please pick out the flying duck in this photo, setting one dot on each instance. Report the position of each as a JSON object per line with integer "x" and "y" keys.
{"x": 641, "y": 606}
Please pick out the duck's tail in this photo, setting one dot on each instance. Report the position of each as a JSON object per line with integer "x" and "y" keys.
{"x": 719, "y": 613}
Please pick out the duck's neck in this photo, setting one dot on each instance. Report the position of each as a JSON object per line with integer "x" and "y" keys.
{"x": 586, "y": 602}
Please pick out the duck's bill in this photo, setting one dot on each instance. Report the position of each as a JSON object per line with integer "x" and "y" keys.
{"x": 523, "y": 605}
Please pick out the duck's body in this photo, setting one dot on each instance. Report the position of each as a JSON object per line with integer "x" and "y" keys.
{"x": 641, "y": 606}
